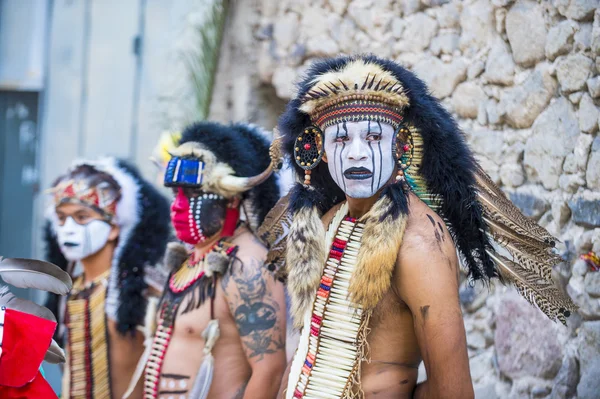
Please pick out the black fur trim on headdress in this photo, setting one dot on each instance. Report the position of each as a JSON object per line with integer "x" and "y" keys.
{"x": 448, "y": 165}
{"x": 145, "y": 247}
{"x": 246, "y": 151}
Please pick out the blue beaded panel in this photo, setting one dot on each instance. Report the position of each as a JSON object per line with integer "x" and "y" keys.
{"x": 184, "y": 172}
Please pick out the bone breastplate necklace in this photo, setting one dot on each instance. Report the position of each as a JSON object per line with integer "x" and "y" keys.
{"x": 333, "y": 338}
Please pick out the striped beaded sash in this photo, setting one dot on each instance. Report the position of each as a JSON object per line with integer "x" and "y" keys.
{"x": 333, "y": 337}
{"x": 89, "y": 375}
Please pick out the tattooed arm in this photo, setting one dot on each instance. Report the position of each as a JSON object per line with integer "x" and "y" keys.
{"x": 257, "y": 304}
{"x": 427, "y": 280}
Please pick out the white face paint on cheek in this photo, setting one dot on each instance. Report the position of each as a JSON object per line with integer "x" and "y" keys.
{"x": 80, "y": 241}
{"x": 360, "y": 156}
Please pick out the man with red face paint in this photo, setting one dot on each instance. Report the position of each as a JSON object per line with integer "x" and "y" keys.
{"x": 221, "y": 322}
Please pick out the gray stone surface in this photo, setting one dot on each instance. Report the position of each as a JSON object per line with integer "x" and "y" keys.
{"x": 526, "y": 31}
{"x": 477, "y": 22}
{"x": 572, "y": 72}
{"x": 548, "y": 146}
{"x": 583, "y": 37}
{"x": 441, "y": 77}
{"x": 592, "y": 284}
{"x": 565, "y": 383}
{"x": 560, "y": 39}
{"x": 585, "y": 212}
{"x": 593, "y": 85}
{"x": 418, "y": 32}
{"x": 588, "y": 114}
{"x": 500, "y": 66}
{"x": 445, "y": 43}
{"x": 524, "y": 102}
{"x": 596, "y": 34}
{"x": 531, "y": 206}
{"x": 578, "y": 9}
{"x": 466, "y": 99}
{"x": 589, "y": 360}
{"x": 592, "y": 175}
{"x": 532, "y": 348}
{"x": 448, "y": 16}
{"x": 577, "y": 161}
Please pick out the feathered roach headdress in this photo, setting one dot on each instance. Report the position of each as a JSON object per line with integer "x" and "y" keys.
{"x": 434, "y": 162}
{"x": 117, "y": 190}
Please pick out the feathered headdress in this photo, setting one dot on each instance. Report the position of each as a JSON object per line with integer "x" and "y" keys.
{"x": 434, "y": 162}
{"x": 142, "y": 214}
{"x": 228, "y": 160}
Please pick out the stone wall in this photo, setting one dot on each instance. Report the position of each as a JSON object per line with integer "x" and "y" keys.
{"x": 522, "y": 79}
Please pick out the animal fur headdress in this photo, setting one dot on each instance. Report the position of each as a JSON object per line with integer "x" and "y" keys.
{"x": 436, "y": 165}
{"x": 236, "y": 160}
{"x": 117, "y": 190}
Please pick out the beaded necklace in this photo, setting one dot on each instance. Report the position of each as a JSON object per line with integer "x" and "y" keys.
{"x": 333, "y": 339}
{"x": 194, "y": 279}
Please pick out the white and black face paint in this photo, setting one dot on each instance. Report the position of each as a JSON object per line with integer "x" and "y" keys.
{"x": 208, "y": 211}
{"x": 79, "y": 241}
{"x": 360, "y": 156}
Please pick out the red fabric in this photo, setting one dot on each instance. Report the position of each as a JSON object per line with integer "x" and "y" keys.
{"x": 232, "y": 215}
{"x": 24, "y": 344}
{"x": 37, "y": 389}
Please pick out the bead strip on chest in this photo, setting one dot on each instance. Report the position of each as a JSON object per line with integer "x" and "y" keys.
{"x": 88, "y": 349}
{"x": 327, "y": 358}
{"x": 160, "y": 343}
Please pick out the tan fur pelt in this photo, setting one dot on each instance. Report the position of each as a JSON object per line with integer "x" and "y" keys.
{"x": 175, "y": 255}
{"x": 305, "y": 260}
{"x": 377, "y": 256}
{"x": 344, "y": 81}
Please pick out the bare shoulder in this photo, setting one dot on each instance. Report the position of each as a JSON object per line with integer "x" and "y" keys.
{"x": 328, "y": 216}
{"x": 426, "y": 231}
{"x": 427, "y": 245}
{"x": 249, "y": 246}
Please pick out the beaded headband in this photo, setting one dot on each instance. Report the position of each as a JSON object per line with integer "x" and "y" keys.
{"x": 102, "y": 197}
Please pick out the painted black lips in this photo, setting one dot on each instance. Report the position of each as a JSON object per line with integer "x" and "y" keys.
{"x": 71, "y": 244}
{"x": 357, "y": 173}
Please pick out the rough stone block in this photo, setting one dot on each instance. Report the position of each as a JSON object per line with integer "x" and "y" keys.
{"x": 526, "y": 31}
{"x": 572, "y": 72}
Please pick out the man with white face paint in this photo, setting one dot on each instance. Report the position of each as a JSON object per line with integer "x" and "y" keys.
{"x": 360, "y": 157}
{"x": 372, "y": 266}
{"x": 107, "y": 228}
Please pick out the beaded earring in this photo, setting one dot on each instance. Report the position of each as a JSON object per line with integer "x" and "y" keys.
{"x": 404, "y": 153}
{"x": 308, "y": 150}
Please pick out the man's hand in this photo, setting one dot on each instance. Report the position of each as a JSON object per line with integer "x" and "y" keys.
{"x": 257, "y": 304}
{"x": 427, "y": 280}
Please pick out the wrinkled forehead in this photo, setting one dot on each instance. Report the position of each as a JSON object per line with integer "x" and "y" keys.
{"x": 360, "y": 127}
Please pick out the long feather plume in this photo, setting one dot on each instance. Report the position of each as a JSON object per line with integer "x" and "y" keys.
{"x": 31, "y": 273}
{"x": 538, "y": 291}
{"x": 55, "y": 354}
{"x": 500, "y": 209}
{"x": 23, "y": 305}
{"x": 529, "y": 245}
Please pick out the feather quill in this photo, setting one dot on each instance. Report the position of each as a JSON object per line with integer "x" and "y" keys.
{"x": 23, "y": 305}
{"x": 273, "y": 233}
{"x": 55, "y": 354}
{"x": 538, "y": 291}
{"x": 205, "y": 374}
{"x": 31, "y": 273}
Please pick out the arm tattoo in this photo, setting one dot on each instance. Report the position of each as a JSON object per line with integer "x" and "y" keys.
{"x": 255, "y": 311}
